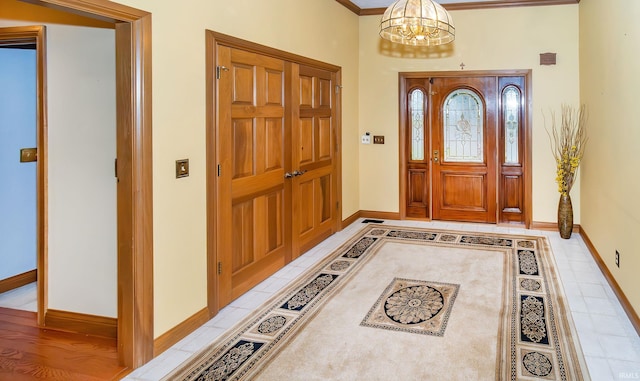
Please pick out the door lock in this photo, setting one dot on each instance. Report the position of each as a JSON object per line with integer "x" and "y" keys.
{"x": 436, "y": 156}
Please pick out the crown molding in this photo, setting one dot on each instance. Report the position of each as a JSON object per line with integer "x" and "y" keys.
{"x": 463, "y": 6}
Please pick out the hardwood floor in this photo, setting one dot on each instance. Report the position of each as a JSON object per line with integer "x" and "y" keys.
{"x": 28, "y": 352}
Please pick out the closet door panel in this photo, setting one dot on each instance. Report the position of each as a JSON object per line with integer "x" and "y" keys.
{"x": 313, "y": 157}
{"x": 252, "y": 154}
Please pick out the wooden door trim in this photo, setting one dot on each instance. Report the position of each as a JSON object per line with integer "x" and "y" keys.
{"x": 337, "y": 109}
{"x": 237, "y": 43}
{"x": 211, "y": 174}
{"x": 135, "y": 216}
{"x": 528, "y": 122}
{"x": 528, "y": 150}
{"x": 214, "y": 39}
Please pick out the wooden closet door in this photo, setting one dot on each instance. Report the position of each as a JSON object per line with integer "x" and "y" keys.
{"x": 252, "y": 238}
{"x": 313, "y": 141}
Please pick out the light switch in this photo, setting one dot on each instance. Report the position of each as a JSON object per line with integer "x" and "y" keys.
{"x": 182, "y": 168}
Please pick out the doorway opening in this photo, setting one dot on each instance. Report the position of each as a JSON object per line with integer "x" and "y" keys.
{"x": 18, "y": 273}
{"x": 134, "y": 169}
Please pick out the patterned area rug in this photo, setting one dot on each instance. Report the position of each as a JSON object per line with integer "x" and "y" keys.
{"x": 413, "y": 304}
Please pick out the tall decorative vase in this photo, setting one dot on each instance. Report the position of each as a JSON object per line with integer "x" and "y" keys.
{"x": 565, "y": 216}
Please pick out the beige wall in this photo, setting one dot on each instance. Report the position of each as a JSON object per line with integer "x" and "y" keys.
{"x": 492, "y": 39}
{"x": 609, "y": 62}
{"x": 318, "y": 29}
{"x": 82, "y": 253}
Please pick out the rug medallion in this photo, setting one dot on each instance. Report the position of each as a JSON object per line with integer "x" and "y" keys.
{"x": 413, "y": 306}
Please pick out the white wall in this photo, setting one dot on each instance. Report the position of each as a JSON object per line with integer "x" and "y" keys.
{"x": 18, "y": 184}
{"x": 82, "y": 184}
{"x": 82, "y": 251}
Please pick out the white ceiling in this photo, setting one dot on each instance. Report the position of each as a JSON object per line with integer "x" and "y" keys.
{"x": 385, "y": 3}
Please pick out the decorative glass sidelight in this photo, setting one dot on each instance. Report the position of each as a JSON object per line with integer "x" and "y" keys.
{"x": 511, "y": 115}
{"x": 463, "y": 127}
{"x": 416, "y": 109}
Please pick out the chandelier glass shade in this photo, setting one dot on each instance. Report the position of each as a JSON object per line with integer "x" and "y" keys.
{"x": 417, "y": 22}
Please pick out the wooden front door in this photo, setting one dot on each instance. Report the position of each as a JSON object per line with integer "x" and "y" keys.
{"x": 464, "y": 158}
{"x": 253, "y": 235}
{"x": 314, "y": 147}
{"x": 466, "y": 146}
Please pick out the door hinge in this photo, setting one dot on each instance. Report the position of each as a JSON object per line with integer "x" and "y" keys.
{"x": 218, "y": 170}
{"x": 115, "y": 167}
{"x": 220, "y": 69}
{"x": 337, "y": 205}
{"x": 219, "y": 268}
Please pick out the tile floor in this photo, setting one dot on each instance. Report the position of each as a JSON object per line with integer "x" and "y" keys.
{"x": 21, "y": 298}
{"x": 609, "y": 342}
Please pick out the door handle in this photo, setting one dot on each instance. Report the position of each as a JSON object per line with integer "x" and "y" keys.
{"x": 436, "y": 156}
{"x": 299, "y": 173}
{"x": 288, "y": 175}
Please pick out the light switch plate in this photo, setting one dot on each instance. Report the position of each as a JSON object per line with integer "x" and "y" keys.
{"x": 182, "y": 168}
{"x": 28, "y": 155}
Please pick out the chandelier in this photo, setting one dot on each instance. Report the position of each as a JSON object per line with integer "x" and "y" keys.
{"x": 417, "y": 22}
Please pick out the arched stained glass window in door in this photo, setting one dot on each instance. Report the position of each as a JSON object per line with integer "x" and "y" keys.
{"x": 463, "y": 127}
{"x": 416, "y": 109}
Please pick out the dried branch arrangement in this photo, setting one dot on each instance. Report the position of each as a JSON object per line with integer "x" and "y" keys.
{"x": 568, "y": 140}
